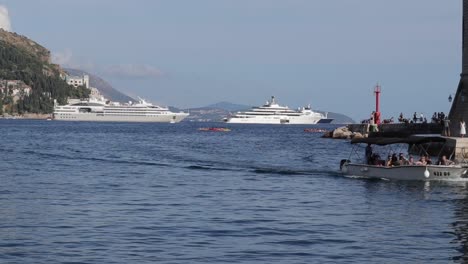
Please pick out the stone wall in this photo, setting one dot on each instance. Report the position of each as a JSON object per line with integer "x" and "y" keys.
{"x": 399, "y": 129}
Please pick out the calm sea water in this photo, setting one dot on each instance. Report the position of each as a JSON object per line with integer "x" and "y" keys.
{"x": 168, "y": 193}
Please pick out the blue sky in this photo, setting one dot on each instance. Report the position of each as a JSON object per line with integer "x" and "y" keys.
{"x": 325, "y": 53}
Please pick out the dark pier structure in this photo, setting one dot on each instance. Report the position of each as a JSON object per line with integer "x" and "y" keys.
{"x": 459, "y": 109}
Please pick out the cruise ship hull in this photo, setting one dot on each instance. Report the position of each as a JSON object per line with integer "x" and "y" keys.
{"x": 103, "y": 111}
{"x": 169, "y": 118}
{"x": 273, "y": 113}
{"x": 273, "y": 120}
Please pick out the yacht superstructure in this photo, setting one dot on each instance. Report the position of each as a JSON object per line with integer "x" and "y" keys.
{"x": 273, "y": 113}
{"x": 100, "y": 110}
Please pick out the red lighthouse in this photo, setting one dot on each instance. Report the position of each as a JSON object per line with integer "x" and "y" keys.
{"x": 377, "y": 104}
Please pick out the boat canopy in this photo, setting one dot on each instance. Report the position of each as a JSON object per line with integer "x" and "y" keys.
{"x": 393, "y": 140}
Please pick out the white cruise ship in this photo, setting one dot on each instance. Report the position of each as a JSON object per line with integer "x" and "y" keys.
{"x": 273, "y": 113}
{"x": 99, "y": 110}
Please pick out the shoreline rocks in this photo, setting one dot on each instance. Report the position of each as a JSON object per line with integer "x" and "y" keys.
{"x": 26, "y": 116}
{"x": 343, "y": 133}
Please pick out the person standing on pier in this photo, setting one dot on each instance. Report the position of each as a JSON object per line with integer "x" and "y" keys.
{"x": 462, "y": 128}
{"x": 446, "y": 127}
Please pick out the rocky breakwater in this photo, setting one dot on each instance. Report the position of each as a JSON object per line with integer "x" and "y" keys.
{"x": 343, "y": 133}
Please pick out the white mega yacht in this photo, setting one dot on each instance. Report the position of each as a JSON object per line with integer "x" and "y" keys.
{"x": 273, "y": 113}
{"x": 100, "y": 110}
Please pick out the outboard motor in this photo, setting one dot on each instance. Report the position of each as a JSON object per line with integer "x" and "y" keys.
{"x": 343, "y": 161}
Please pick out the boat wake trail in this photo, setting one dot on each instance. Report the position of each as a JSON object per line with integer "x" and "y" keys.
{"x": 287, "y": 171}
{"x": 209, "y": 168}
{"x": 190, "y": 164}
{"x": 55, "y": 157}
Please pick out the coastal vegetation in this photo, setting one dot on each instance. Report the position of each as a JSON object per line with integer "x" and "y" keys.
{"x": 37, "y": 82}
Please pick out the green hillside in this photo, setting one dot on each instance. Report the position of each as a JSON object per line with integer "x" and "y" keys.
{"x": 24, "y": 60}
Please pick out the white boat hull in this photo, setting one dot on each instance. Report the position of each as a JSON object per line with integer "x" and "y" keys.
{"x": 163, "y": 118}
{"x": 417, "y": 172}
{"x": 274, "y": 120}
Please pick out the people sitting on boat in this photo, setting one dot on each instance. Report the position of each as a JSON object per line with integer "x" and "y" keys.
{"x": 428, "y": 160}
{"x": 424, "y": 160}
{"x": 421, "y": 161}
{"x": 376, "y": 160}
{"x": 369, "y": 154}
{"x": 402, "y": 159}
{"x": 444, "y": 161}
{"x": 395, "y": 161}
{"x": 388, "y": 163}
{"x": 411, "y": 161}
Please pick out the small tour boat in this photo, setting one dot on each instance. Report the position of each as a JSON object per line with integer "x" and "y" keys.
{"x": 369, "y": 165}
{"x": 215, "y": 129}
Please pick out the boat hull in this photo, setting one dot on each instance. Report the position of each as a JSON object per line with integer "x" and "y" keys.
{"x": 169, "y": 118}
{"x": 273, "y": 120}
{"x": 416, "y": 173}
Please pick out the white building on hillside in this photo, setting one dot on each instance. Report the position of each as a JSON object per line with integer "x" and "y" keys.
{"x": 17, "y": 88}
{"x": 95, "y": 93}
{"x": 78, "y": 80}
{"x": 84, "y": 81}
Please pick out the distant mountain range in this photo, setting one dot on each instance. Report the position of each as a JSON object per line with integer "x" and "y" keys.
{"x": 104, "y": 87}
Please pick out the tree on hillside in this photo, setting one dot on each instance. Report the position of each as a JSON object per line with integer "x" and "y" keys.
{"x": 19, "y": 64}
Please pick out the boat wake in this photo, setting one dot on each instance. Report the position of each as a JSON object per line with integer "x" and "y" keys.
{"x": 200, "y": 167}
{"x": 182, "y": 162}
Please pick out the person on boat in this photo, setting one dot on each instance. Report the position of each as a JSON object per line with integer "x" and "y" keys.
{"x": 388, "y": 163}
{"x": 422, "y": 161}
{"x": 411, "y": 161}
{"x": 402, "y": 160}
{"x": 369, "y": 154}
{"x": 428, "y": 160}
{"x": 395, "y": 161}
{"x": 444, "y": 161}
{"x": 376, "y": 160}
